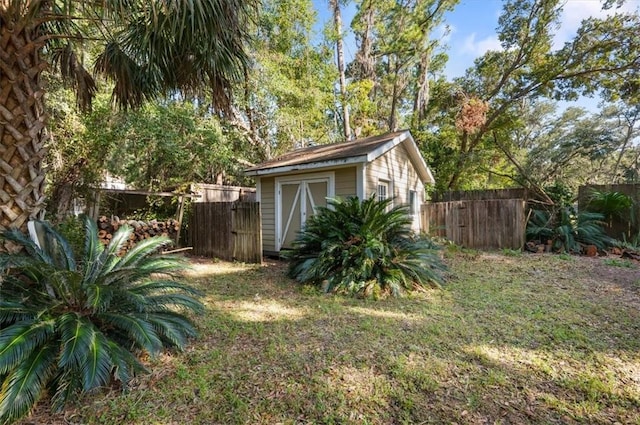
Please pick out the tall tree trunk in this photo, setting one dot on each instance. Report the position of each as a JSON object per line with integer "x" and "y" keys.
{"x": 460, "y": 162}
{"x": 337, "y": 20}
{"x": 364, "y": 55}
{"x": 398, "y": 88}
{"x": 421, "y": 99}
{"x": 22, "y": 124}
{"x": 64, "y": 190}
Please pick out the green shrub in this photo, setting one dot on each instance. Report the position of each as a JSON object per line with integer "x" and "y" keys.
{"x": 568, "y": 231}
{"x": 72, "y": 230}
{"x": 364, "y": 248}
{"x": 72, "y": 326}
{"x": 612, "y": 205}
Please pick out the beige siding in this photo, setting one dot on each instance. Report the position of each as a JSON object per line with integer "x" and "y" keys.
{"x": 267, "y": 209}
{"x": 395, "y": 167}
{"x": 345, "y": 182}
{"x": 345, "y": 185}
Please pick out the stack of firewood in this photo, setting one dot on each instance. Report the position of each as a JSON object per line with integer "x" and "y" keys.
{"x": 141, "y": 229}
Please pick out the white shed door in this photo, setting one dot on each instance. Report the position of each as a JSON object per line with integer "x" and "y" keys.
{"x": 297, "y": 201}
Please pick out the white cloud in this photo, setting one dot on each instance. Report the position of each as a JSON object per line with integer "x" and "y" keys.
{"x": 480, "y": 47}
{"x": 575, "y": 11}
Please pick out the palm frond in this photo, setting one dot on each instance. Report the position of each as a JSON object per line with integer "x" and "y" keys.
{"x": 85, "y": 316}
{"x": 125, "y": 363}
{"x": 63, "y": 387}
{"x": 20, "y": 340}
{"x": 363, "y": 247}
{"x": 96, "y": 369}
{"x": 24, "y": 384}
{"x": 147, "y": 247}
{"x": 172, "y": 327}
{"x": 77, "y": 334}
{"x": 92, "y": 246}
{"x": 137, "y": 329}
{"x": 12, "y": 312}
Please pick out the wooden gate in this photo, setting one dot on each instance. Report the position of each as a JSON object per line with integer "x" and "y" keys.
{"x": 478, "y": 224}
{"x": 247, "y": 232}
{"x": 227, "y": 230}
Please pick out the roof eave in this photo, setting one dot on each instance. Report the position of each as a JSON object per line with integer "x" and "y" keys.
{"x": 306, "y": 167}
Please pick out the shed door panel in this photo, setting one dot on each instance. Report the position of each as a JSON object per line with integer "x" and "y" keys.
{"x": 290, "y": 213}
{"x": 316, "y": 196}
{"x": 299, "y": 200}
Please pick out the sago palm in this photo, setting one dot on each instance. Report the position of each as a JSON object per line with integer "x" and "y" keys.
{"x": 71, "y": 326}
{"x": 148, "y": 48}
{"x": 364, "y": 248}
{"x": 568, "y": 231}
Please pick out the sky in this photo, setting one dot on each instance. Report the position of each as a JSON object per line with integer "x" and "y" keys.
{"x": 472, "y": 28}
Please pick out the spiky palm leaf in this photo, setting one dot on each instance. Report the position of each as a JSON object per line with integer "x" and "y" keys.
{"x": 70, "y": 326}
{"x": 363, "y": 248}
{"x": 568, "y": 231}
{"x": 610, "y": 204}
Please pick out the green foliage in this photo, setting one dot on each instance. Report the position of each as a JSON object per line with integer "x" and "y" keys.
{"x": 511, "y": 252}
{"x": 611, "y": 204}
{"x": 364, "y": 248}
{"x": 560, "y": 194}
{"x": 72, "y": 229}
{"x": 526, "y": 70}
{"x": 615, "y": 262}
{"x": 566, "y": 230}
{"x": 288, "y": 95}
{"x": 72, "y": 326}
{"x": 164, "y": 145}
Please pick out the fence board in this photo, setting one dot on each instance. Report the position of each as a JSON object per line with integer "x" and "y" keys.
{"x": 226, "y": 230}
{"x": 221, "y": 193}
{"x": 486, "y": 224}
{"x": 247, "y": 232}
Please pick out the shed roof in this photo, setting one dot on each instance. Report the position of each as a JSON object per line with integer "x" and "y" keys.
{"x": 337, "y": 154}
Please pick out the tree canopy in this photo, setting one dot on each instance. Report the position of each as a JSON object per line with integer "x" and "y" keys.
{"x": 148, "y": 49}
{"x": 219, "y": 90}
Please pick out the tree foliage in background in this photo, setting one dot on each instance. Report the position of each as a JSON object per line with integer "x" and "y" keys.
{"x": 166, "y": 145}
{"x": 161, "y": 146}
{"x": 147, "y": 48}
{"x": 602, "y": 58}
{"x": 287, "y": 96}
{"x": 71, "y": 325}
{"x": 364, "y": 248}
{"x": 398, "y": 50}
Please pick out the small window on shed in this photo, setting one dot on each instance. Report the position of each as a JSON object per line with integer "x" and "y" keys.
{"x": 413, "y": 202}
{"x": 383, "y": 191}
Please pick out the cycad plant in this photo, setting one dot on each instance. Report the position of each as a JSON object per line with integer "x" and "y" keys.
{"x": 364, "y": 248}
{"x": 568, "y": 231}
{"x": 70, "y": 326}
{"x": 611, "y": 204}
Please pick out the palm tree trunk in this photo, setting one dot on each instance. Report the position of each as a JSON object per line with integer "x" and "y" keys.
{"x": 22, "y": 125}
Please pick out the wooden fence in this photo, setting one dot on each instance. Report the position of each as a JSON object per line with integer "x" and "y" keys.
{"x": 226, "y": 230}
{"x": 627, "y": 225}
{"x": 222, "y": 193}
{"x": 478, "y": 224}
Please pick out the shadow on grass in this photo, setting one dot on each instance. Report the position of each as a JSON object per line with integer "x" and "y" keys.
{"x": 502, "y": 343}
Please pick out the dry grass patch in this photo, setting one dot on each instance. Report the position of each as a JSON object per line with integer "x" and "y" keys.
{"x": 526, "y": 339}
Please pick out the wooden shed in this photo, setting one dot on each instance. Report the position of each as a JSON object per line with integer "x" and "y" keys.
{"x": 290, "y": 187}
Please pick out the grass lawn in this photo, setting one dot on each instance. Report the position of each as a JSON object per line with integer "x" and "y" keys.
{"x": 510, "y": 339}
